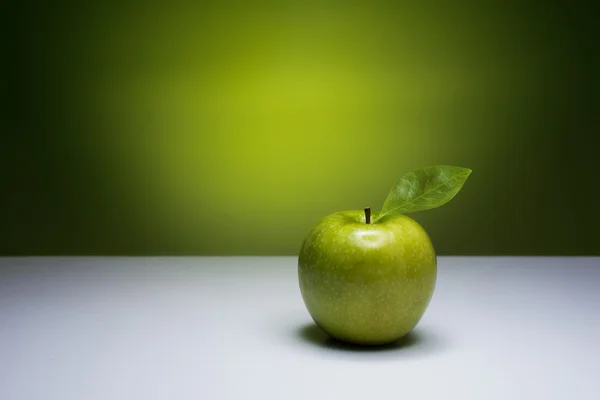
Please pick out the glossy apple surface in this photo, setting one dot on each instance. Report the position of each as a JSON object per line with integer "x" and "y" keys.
{"x": 367, "y": 284}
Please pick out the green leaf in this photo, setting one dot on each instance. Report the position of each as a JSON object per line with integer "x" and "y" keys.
{"x": 424, "y": 188}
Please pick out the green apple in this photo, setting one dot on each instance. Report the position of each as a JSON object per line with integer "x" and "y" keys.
{"x": 369, "y": 281}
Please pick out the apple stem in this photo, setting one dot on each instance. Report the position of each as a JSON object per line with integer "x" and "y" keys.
{"x": 368, "y": 215}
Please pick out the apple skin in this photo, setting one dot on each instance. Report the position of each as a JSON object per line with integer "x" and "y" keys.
{"x": 367, "y": 284}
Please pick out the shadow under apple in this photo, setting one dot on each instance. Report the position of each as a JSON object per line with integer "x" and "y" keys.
{"x": 416, "y": 339}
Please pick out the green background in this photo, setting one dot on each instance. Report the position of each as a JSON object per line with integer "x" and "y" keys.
{"x": 231, "y": 128}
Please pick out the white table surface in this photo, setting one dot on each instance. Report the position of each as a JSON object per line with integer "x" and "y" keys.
{"x": 236, "y": 328}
